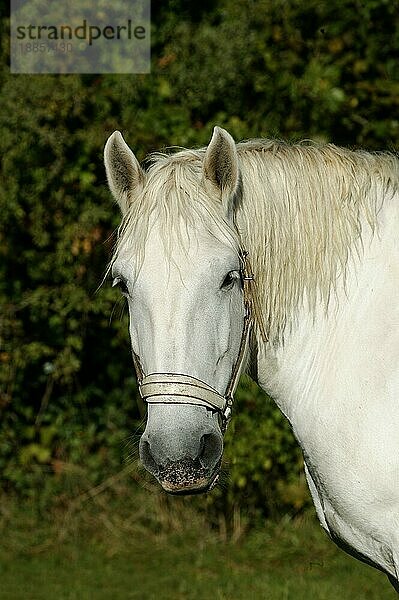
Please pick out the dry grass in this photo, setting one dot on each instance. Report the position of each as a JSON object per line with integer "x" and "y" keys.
{"x": 124, "y": 541}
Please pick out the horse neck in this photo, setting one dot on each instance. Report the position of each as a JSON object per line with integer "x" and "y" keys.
{"x": 324, "y": 339}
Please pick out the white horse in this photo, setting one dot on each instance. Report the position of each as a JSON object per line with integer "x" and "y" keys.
{"x": 321, "y": 228}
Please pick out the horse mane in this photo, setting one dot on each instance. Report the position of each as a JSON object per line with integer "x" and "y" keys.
{"x": 300, "y": 212}
{"x": 312, "y": 203}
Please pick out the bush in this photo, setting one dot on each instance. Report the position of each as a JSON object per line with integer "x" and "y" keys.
{"x": 321, "y": 70}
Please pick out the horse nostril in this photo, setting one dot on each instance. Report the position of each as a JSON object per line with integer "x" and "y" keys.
{"x": 202, "y": 445}
{"x": 211, "y": 447}
{"x": 147, "y": 458}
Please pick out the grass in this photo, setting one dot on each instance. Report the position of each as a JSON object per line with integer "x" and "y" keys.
{"x": 151, "y": 547}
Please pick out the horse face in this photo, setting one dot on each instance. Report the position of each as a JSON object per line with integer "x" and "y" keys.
{"x": 186, "y": 317}
{"x": 185, "y": 297}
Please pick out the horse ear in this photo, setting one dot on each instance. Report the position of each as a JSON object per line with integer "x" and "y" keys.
{"x": 124, "y": 174}
{"x": 221, "y": 173}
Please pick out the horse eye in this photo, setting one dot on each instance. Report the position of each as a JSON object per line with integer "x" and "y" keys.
{"x": 121, "y": 285}
{"x": 230, "y": 280}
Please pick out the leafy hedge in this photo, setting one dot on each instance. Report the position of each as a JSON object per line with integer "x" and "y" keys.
{"x": 289, "y": 69}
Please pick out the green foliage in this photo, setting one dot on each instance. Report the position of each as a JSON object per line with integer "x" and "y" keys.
{"x": 264, "y": 461}
{"x": 289, "y": 69}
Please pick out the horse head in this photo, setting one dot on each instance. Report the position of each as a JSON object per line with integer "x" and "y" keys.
{"x": 179, "y": 264}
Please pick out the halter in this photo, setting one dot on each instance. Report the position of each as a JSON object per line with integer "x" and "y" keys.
{"x": 175, "y": 388}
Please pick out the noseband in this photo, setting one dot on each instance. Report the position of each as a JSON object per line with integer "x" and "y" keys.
{"x": 175, "y": 388}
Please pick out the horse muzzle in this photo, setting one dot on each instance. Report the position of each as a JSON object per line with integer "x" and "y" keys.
{"x": 185, "y": 477}
{"x": 182, "y": 447}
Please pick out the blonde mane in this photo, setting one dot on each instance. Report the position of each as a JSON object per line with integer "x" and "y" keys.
{"x": 174, "y": 198}
{"x": 299, "y": 213}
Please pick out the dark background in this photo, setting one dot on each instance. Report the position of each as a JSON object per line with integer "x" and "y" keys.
{"x": 69, "y": 417}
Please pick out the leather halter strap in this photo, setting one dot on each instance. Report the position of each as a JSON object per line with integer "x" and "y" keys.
{"x": 175, "y": 388}
{"x": 162, "y": 388}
